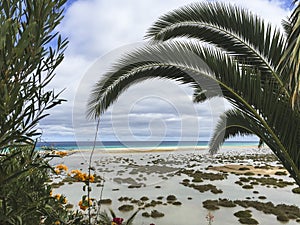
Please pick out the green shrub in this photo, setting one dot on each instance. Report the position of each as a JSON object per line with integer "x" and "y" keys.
{"x": 25, "y": 195}
{"x": 30, "y": 51}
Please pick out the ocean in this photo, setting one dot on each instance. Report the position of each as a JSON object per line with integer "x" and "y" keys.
{"x": 72, "y": 145}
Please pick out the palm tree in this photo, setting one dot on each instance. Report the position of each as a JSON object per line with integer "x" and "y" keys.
{"x": 246, "y": 57}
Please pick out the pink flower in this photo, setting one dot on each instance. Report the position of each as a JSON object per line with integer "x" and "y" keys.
{"x": 118, "y": 221}
{"x": 210, "y": 217}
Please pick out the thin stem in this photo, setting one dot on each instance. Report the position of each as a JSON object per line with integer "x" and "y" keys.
{"x": 90, "y": 168}
{"x": 100, "y": 197}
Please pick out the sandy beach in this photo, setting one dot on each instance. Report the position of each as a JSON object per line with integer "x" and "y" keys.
{"x": 184, "y": 185}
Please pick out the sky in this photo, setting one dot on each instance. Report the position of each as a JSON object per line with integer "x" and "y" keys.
{"x": 99, "y": 32}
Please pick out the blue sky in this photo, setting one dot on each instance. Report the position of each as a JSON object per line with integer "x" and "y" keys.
{"x": 99, "y": 32}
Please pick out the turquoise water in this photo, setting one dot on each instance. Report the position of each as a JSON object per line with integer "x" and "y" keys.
{"x": 72, "y": 145}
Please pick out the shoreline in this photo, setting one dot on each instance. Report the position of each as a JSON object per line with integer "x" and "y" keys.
{"x": 131, "y": 150}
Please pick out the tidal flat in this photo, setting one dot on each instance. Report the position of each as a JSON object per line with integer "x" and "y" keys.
{"x": 241, "y": 185}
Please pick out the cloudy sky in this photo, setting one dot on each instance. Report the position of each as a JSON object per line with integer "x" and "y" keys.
{"x": 99, "y": 31}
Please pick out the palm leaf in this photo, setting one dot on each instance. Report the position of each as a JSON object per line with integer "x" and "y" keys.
{"x": 161, "y": 61}
{"x": 230, "y": 124}
{"x": 240, "y": 85}
{"x": 280, "y": 135}
{"x": 236, "y": 30}
{"x": 287, "y": 27}
{"x": 181, "y": 62}
{"x": 291, "y": 57}
{"x": 248, "y": 76}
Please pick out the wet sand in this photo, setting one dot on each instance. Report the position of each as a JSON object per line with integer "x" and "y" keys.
{"x": 191, "y": 176}
{"x": 242, "y": 169}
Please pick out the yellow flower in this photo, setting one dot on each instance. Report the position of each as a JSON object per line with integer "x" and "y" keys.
{"x": 62, "y": 167}
{"x": 57, "y": 171}
{"x": 51, "y": 192}
{"x": 79, "y": 175}
{"x": 57, "y": 196}
{"x": 75, "y": 172}
{"x": 57, "y": 222}
{"x": 64, "y": 201}
{"x": 83, "y": 207}
{"x": 62, "y": 154}
{"x": 114, "y": 223}
{"x": 85, "y": 204}
{"x": 92, "y": 178}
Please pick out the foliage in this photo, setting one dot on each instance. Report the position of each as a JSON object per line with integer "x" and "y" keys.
{"x": 25, "y": 196}
{"x": 86, "y": 203}
{"x": 291, "y": 55}
{"x": 94, "y": 215}
{"x": 243, "y": 57}
{"x": 30, "y": 51}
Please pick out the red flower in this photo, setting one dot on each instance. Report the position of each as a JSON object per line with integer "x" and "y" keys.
{"x": 210, "y": 217}
{"x": 118, "y": 220}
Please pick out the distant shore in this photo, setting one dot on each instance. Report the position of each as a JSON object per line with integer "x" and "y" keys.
{"x": 154, "y": 150}
{"x": 143, "y": 146}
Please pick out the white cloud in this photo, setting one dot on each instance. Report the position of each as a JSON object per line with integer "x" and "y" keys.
{"x": 96, "y": 27}
{"x": 60, "y": 132}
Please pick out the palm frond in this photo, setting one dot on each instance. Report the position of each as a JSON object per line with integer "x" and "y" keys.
{"x": 236, "y": 30}
{"x": 236, "y": 122}
{"x": 287, "y": 26}
{"x": 291, "y": 57}
{"x": 199, "y": 95}
{"x": 175, "y": 61}
{"x": 282, "y": 133}
{"x": 241, "y": 85}
{"x": 230, "y": 124}
{"x": 182, "y": 62}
